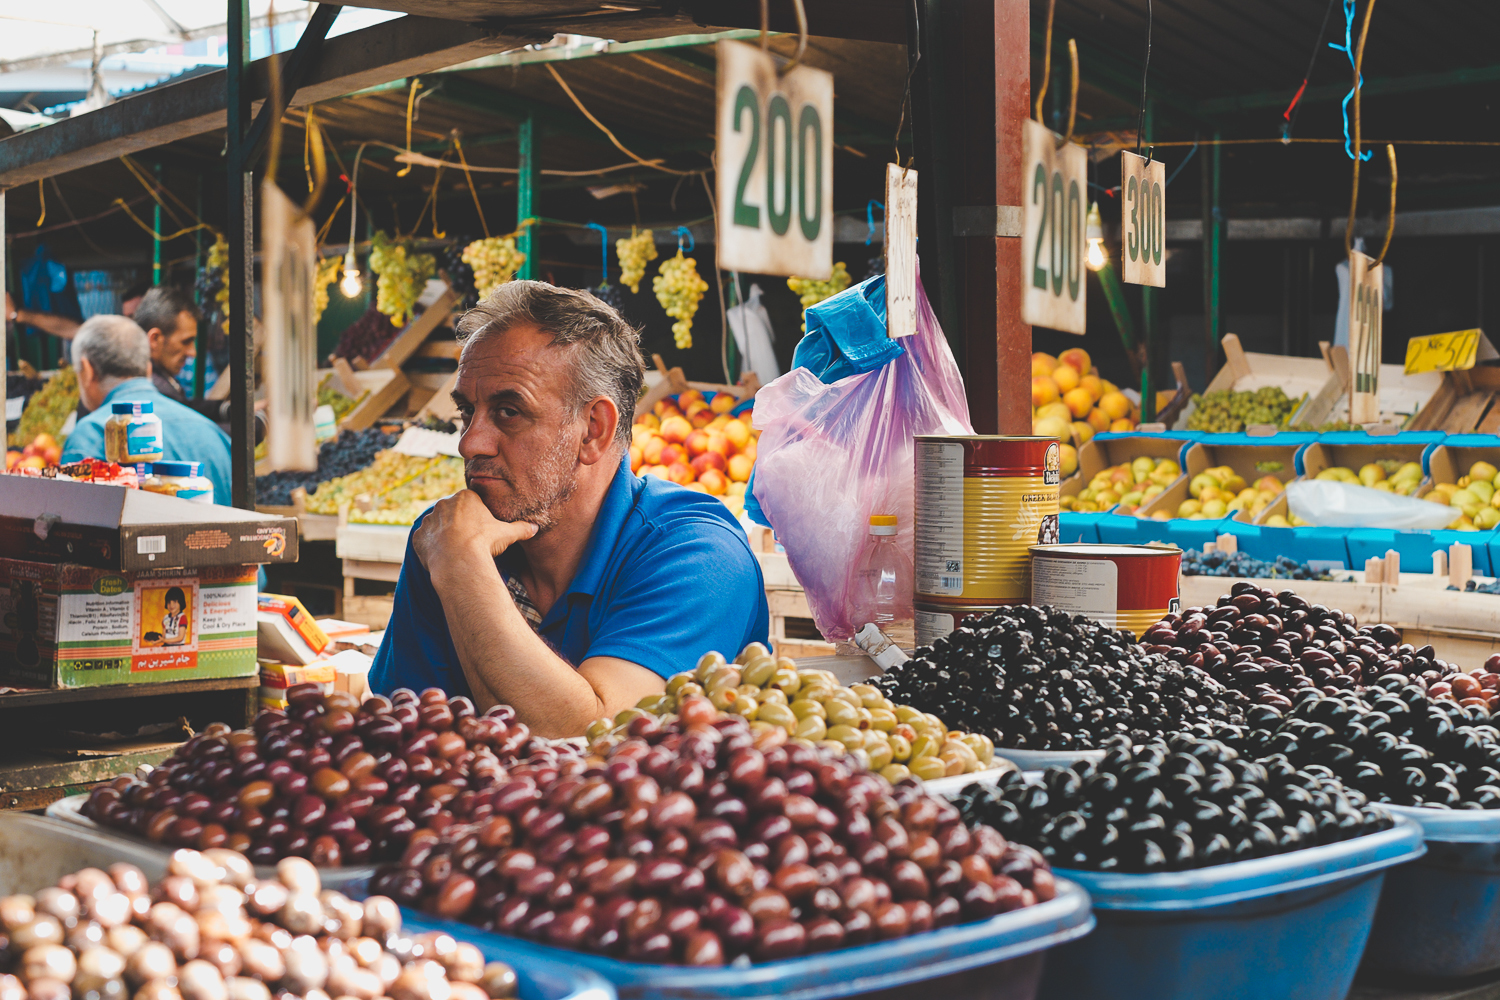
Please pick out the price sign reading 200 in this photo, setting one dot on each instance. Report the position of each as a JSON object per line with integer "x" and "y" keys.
{"x": 775, "y": 157}
{"x": 1053, "y": 216}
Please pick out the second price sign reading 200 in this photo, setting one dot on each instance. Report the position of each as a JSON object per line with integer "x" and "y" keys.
{"x": 1053, "y": 216}
{"x": 775, "y": 157}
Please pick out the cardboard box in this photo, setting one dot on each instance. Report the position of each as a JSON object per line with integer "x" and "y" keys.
{"x": 1108, "y": 450}
{"x": 286, "y": 675}
{"x": 288, "y": 633}
{"x": 80, "y": 626}
{"x": 1242, "y": 458}
{"x": 1321, "y": 382}
{"x": 113, "y": 528}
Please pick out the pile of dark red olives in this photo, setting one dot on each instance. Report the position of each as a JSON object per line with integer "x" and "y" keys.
{"x": 1391, "y": 741}
{"x": 689, "y": 844}
{"x": 1171, "y": 805}
{"x": 1269, "y": 646}
{"x": 210, "y": 930}
{"x": 329, "y": 779}
{"x": 1036, "y": 678}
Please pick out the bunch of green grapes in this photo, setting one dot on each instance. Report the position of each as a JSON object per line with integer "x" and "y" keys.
{"x": 1225, "y": 411}
{"x": 329, "y": 270}
{"x": 218, "y": 261}
{"x": 812, "y": 290}
{"x": 342, "y": 404}
{"x": 495, "y": 261}
{"x": 635, "y": 252}
{"x": 402, "y": 277}
{"x": 389, "y": 470}
{"x": 48, "y": 409}
{"x": 679, "y": 289}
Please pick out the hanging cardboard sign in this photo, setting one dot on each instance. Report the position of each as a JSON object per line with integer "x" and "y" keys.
{"x": 774, "y": 166}
{"x": 1143, "y": 220}
{"x": 1448, "y": 352}
{"x": 1054, "y": 212}
{"x": 900, "y": 251}
{"x": 289, "y": 260}
{"x": 1366, "y": 308}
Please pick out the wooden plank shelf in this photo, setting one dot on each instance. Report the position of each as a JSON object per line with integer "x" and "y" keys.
{"x": 111, "y": 692}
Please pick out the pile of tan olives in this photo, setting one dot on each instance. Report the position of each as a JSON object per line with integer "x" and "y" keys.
{"x": 210, "y": 930}
{"x": 782, "y": 702}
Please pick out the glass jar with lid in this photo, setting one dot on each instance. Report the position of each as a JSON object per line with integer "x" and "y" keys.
{"x": 133, "y": 433}
{"x": 181, "y": 480}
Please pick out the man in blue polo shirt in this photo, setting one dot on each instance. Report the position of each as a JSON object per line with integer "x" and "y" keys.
{"x": 559, "y": 582}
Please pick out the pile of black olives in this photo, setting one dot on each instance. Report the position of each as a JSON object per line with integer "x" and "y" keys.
{"x": 1392, "y": 742}
{"x": 349, "y": 452}
{"x": 1271, "y": 645}
{"x": 1196, "y": 562}
{"x": 1037, "y": 678}
{"x": 1170, "y": 805}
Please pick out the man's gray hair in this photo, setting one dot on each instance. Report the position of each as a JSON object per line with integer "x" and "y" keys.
{"x": 606, "y": 350}
{"x": 116, "y": 347}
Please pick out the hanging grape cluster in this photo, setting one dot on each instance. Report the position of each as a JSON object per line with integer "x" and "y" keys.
{"x": 612, "y": 296}
{"x": 813, "y": 290}
{"x": 213, "y": 282}
{"x": 679, "y": 289}
{"x": 402, "y": 277}
{"x": 329, "y": 270}
{"x": 460, "y": 275}
{"x": 495, "y": 261}
{"x": 635, "y": 252}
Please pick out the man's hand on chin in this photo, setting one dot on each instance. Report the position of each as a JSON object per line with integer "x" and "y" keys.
{"x": 460, "y": 528}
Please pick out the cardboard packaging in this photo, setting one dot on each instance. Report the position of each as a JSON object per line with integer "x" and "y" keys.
{"x": 109, "y": 527}
{"x": 288, "y": 634}
{"x": 80, "y": 626}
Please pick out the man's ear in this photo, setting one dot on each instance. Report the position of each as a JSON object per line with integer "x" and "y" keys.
{"x": 155, "y": 336}
{"x": 601, "y": 420}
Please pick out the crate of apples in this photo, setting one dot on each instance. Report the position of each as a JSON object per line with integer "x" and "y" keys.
{"x": 43, "y": 452}
{"x": 1221, "y": 492}
{"x": 1476, "y": 496}
{"x": 694, "y": 440}
{"x": 1128, "y": 485}
{"x": 1069, "y": 400}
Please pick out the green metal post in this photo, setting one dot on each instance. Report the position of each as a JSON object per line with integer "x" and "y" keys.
{"x": 1114, "y": 295}
{"x": 201, "y": 361}
{"x": 526, "y": 192}
{"x": 155, "y": 240}
{"x": 1151, "y": 338}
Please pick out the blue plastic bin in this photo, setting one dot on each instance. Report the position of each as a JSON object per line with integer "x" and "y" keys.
{"x": 1440, "y": 916}
{"x": 998, "y": 959}
{"x": 1078, "y": 526}
{"x": 1288, "y": 927}
{"x": 1416, "y": 547}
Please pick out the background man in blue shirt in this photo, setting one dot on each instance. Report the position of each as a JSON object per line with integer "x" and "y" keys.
{"x": 112, "y": 355}
{"x": 559, "y": 582}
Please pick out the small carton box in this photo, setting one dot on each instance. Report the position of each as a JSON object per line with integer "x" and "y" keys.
{"x": 80, "y": 626}
{"x": 286, "y": 675}
{"x": 288, "y": 633}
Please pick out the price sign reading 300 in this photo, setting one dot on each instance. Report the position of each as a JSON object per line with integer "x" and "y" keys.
{"x": 775, "y": 165}
{"x": 1054, "y": 210}
{"x": 1143, "y": 217}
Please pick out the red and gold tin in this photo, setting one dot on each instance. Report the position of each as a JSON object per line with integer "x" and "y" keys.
{"x": 982, "y": 501}
{"x": 1129, "y": 587}
{"x": 933, "y": 621}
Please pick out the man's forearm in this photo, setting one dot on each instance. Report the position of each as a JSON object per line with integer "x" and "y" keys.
{"x": 58, "y": 326}
{"x": 505, "y": 661}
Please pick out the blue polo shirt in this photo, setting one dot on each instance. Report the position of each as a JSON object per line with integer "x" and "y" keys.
{"x": 668, "y": 575}
{"x": 187, "y": 435}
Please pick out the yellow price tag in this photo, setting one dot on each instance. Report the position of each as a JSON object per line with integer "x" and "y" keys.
{"x": 1442, "y": 352}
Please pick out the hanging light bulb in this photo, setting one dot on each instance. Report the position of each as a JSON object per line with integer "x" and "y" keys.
{"x": 351, "y": 285}
{"x": 1095, "y": 237}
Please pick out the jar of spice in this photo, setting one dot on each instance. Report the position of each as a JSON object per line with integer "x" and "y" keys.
{"x": 133, "y": 434}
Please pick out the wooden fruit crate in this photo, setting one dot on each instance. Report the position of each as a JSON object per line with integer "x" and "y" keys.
{"x": 793, "y": 632}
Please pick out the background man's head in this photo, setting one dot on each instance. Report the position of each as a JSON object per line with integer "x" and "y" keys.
{"x": 170, "y": 319}
{"x": 106, "y": 351}
{"x": 132, "y": 298}
{"x": 547, "y": 383}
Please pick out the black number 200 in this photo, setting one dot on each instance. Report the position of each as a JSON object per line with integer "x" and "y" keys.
{"x": 799, "y": 151}
{"x": 1061, "y": 228}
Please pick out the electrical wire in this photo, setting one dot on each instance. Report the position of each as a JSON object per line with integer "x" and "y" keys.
{"x": 1140, "y": 130}
{"x": 1046, "y": 60}
{"x": 1390, "y": 226}
{"x": 655, "y": 165}
{"x": 1359, "y": 58}
{"x": 1294, "y": 108}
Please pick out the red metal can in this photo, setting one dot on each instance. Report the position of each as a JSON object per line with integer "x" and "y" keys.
{"x": 1129, "y": 587}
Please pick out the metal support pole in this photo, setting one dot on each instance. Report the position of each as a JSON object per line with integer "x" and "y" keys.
{"x": 156, "y": 239}
{"x": 1213, "y": 237}
{"x": 200, "y": 363}
{"x": 1012, "y": 89}
{"x": 1151, "y": 339}
{"x": 526, "y": 182}
{"x": 240, "y": 232}
{"x": 1119, "y": 309}
{"x": 4, "y": 320}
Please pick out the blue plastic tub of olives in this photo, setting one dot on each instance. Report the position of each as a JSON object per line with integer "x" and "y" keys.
{"x": 1440, "y": 916}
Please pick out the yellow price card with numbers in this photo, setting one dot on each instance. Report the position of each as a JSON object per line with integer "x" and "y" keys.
{"x": 1445, "y": 352}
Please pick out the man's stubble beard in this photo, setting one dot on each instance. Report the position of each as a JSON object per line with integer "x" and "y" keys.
{"x": 552, "y": 483}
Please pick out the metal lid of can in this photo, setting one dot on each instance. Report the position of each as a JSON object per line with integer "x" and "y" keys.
{"x": 1084, "y": 550}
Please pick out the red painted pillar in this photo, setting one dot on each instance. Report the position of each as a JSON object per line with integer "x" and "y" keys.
{"x": 1012, "y": 83}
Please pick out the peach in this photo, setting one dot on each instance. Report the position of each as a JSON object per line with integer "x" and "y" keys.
{"x": 652, "y": 448}
{"x": 696, "y": 443}
{"x": 1093, "y": 385}
{"x": 714, "y": 481}
{"x": 636, "y": 458}
{"x": 32, "y": 462}
{"x": 1066, "y": 378}
{"x": 718, "y": 443}
{"x": 665, "y": 408}
{"x": 1098, "y": 419}
{"x": 739, "y": 468}
{"x": 674, "y": 453}
{"x": 680, "y": 473}
{"x": 709, "y": 460}
{"x": 695, "y": 406}
{"x": 720, "y": 422}
{"x": 1115, "y": 404}
{"x": 659, "y": 471}
{"x": 738, "y": 435}
{"x": 1123, "y": 424}
{"x": 650, "y": 420}
{"x": 689, "y": 396}
{"x": 696, "y": 487}
{"x": 1078, "y": 402}
{"x": 1043, "y": 390}
{"x": 702, "y": 418}
{"x": 676, "y": 429}
{"x": 723, "y": 402}
{"x": 1078, "y": 358}
{"x": 750, "y": 450}
{"x": 1042, "y": 363}
{"x": 640, "y": 434}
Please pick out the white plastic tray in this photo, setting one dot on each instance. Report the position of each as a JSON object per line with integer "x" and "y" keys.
{"x": 1039, "y": 760}
{"x": 66, "y": 819}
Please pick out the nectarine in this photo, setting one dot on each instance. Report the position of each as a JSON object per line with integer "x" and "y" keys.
{"x": 739, "y": 468}
{"x": 702, "y": 418}
{"x": 636, "y": 458}
{"x": 1078, "y": 358}
{"x": 674, "y": 453}
{"x": 709, "y": 460}
{"x": 723, "y": 402}
{"x": 713, "y": 480}
{"x": 696, "y": 443}
{"x": 650, "y": 420}
{"x": 680, "y": 473}
{"x": 1066, "y": 377}
{"x": 652, "y": 448}
{"x": 1079, "y": 402}
{"x": 676, "y": 429}
{"x": 659, "y": 471}
{"x": 1043, "y": 390}
{"x": 738, "y": 435}
{"x": 1042, "y": 363}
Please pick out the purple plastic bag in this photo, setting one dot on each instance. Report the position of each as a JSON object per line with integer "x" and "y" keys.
{"x": 831, "y": 455}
